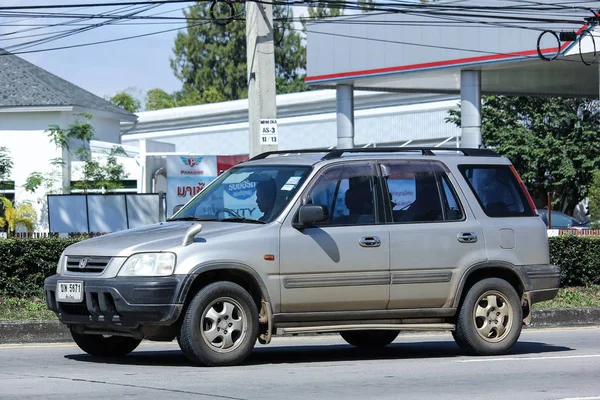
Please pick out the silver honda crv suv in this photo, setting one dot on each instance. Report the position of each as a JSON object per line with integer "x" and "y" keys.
{"x": 364, "y": 242}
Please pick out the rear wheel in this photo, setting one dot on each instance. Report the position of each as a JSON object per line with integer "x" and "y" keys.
{"x": 369, "y": 339}
{"x": 105, "y": 346}
{"x": 490, "y": 319}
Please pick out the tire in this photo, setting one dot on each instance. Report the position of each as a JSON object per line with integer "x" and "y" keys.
{"x": 369, "y": 339}
{"x": 220, "y": 325}
{"x": 476, "y": 332}
{"x": 105, "y": 346}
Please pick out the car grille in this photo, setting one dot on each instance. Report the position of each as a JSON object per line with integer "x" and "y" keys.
{"x": 87, "y": 265}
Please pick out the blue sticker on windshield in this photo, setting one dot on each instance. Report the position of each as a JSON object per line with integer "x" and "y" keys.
{"x": 242, "y": 190}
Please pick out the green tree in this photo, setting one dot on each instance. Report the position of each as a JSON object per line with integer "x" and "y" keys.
{"x": 6, "y": 164}
{"x": 96, "y": 175}
{"x": 321, "y": 10}
{"x": 158, "y": 99}
{"x": 594, "y": 197}
{"x": 13, "y": 216}
{"x": 127, "y": 101}
{"x": 210, "y": 58}
{"x": 101, "y": 174}
{"x": 558, "y": 135}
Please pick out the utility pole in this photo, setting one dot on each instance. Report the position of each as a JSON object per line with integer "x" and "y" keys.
{"x": 262, "y": 106}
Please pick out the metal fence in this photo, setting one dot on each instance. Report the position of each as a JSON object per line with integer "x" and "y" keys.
{"x": 44, "y": 235}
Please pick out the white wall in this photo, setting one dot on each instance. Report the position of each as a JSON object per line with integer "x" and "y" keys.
{"x": 31, "y": 150}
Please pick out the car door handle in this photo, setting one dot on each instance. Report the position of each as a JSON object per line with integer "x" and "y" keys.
{"x": 370, "y": 241}
{"x": 467, "y": 237}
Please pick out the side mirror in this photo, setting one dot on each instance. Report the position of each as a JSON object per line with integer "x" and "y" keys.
{"x": 310, "y": 214}
{"x": 177, "y": 208}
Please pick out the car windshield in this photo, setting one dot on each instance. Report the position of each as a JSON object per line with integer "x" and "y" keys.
{"x": 252, "y": 194}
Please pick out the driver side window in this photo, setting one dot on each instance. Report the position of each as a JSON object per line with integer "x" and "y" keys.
{"x": 348, "y": 193}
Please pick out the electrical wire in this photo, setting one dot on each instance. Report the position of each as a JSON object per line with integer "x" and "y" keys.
{"x": 34, "y": 43}
{"x": 435, "y": 14}
{"x": 98, "y": 42}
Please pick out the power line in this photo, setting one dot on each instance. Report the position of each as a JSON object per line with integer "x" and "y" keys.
{"x": 96, "y": 43}
{"x": 33, "y": 43}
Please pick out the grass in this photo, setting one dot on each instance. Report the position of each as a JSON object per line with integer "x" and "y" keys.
{"x": 34, "y": 309}
{"x": 574, "y": 297}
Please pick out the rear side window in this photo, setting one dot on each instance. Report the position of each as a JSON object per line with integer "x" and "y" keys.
{"x": 497, "y": 190}
{"x": 420, "y": 192}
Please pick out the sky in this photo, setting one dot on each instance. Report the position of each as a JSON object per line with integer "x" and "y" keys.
{"x": 137, "y": 65}
{"x": 140, "y": 64}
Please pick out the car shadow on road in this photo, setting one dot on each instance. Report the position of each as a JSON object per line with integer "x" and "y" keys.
{"x": 278, "y": 354}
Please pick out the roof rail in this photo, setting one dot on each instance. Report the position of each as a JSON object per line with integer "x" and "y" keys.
{"x": 426, "y": 151}
{"x": 338, "y": 153}
{"x": 264, "y": 155}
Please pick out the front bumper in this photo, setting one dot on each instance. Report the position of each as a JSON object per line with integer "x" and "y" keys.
{"x": 119, "y": 303}
{"x": 542, "y": 281}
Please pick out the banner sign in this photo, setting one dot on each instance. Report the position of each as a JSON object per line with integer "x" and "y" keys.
{"x": 188, "y": 175}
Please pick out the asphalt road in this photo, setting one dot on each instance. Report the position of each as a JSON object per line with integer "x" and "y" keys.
{"x": 545, "y": 364}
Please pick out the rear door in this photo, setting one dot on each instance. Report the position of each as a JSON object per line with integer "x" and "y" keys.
{"x": 433, "y": 236}
{"x": 513, "y": 232}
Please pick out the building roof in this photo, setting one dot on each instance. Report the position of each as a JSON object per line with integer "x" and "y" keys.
{"x": 25, "y": 84}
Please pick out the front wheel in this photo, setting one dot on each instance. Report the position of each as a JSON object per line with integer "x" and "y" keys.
{"x": 490, "y": 319}
{"x": 105, "y": 346}
{"x": 369, "y": 339}
{"x": 220, "y": 326}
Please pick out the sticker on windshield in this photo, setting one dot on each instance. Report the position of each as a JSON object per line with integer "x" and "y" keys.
{"x": 293, "y": 180}
{"x": 288, "y": 187}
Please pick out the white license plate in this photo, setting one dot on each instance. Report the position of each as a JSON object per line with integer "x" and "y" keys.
{"x": 69, "y": 292}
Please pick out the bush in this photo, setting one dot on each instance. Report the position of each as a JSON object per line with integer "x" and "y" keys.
{"x": 25, "y": 263}
{"x": 578, "y": 257}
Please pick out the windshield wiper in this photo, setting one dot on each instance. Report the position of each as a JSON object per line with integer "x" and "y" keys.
{"x": 191, "y": 218}
{"x": 242, "y": 219}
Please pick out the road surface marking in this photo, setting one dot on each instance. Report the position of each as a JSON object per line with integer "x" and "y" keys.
{"x": 35, "y": 346}
{"x": 581, "y": 398}
{"x": 527, "y": 358}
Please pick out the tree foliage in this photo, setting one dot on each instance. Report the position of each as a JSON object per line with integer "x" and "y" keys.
{"x": 13, "y": 216}
{"x": 101, "y": 174}
{"x": 6, "y": 164}
{"x": 594, "y": 197}
{"x": 210, "y": 58}
{"x": 540, "y": 135}
{"x": 126, "y": 101}
{"x": 158, "y": 99}
{"x": 96, "y": 174}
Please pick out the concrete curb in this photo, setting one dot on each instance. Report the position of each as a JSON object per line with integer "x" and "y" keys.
{"x": 565, "y": 317}
{"x": 55, "y": 332}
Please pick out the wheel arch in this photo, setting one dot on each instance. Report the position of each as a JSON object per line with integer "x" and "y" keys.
{"x": 494, "y": 269}
{"x": 241, "y": 274}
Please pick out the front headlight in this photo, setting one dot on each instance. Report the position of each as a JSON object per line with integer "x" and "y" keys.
{"x": 149, "y": 264}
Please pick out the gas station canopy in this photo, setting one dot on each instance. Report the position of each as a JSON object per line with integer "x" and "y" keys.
{"x": 425, "y": 51}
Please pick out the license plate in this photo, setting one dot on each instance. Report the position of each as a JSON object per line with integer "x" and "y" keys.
{"x": 69, "y": 292}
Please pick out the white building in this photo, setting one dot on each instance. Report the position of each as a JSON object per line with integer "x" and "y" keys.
{"x": 32, "y": 99}
{"x": 305, "y": 120}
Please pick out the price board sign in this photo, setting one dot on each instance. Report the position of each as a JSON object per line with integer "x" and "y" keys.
{"x": 268, "y": 132}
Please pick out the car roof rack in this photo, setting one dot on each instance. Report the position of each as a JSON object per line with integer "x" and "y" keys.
{"x": 332, "y": 154}
{"x": 262, "y": 156}
{"x": 426, "y": 151}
